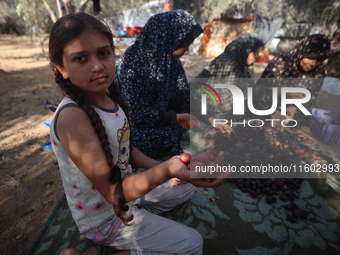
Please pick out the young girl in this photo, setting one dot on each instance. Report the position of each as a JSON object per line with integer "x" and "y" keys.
{"x": 91, "y": 139}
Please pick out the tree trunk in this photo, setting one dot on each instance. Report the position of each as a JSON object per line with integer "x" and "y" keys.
{"x": 60, "y": 14}
{"x": 50, "y": 11}
{"x": 82, "y": 5}
{"x": 68, "y": 6}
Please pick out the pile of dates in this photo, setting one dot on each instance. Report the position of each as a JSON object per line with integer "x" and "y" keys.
{"x": 266, "y": 145}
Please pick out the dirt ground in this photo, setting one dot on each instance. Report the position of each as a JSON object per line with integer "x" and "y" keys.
{"x": 30, "y": 183}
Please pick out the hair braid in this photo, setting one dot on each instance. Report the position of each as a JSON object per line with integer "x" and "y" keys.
{"x": 119, "y": 203}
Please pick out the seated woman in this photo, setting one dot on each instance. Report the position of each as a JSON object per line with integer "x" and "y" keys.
{"x": 234, "y": 63}
{"x": 153, "y": 82}
{"x": 304, "y": 63}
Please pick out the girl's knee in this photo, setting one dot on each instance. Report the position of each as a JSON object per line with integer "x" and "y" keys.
{"x": 186, "y": 191}
{"x": 70, "y": 251}
{"x": 73, "y": 251}
{"x": 92, "y": 251}
{"x": 197, "y": 243}
{"x": 193, "y": 244}
{"x": 191, "y": 190}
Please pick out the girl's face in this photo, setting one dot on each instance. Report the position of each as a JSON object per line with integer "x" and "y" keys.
{"x": 88, "y": 61}
{"x": 308, "y": 64}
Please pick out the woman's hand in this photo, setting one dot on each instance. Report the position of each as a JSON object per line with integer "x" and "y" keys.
{"x": 187, "y": 121}
{"x": 295, "y": 95}
{"x": 290, "y": 113}
{"x": 224, "y": 128}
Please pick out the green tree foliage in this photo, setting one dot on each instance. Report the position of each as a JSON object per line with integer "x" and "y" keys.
{"x": 322, "y": 14}
{"x": 19, "y": 16}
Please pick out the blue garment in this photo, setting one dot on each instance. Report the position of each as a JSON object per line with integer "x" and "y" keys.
{"x": 154, "y": 85}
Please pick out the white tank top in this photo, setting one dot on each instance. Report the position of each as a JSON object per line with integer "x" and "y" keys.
{"x": 93, "y": 215}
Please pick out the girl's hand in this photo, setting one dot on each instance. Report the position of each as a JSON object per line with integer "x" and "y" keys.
{"x": 187, "y": 121}
{"x": 178, "y": 169}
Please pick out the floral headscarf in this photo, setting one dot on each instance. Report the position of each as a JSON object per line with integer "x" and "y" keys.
{"x": 230, "y": 67}
{"x": 287, "y": 65}
{"x": 152, "y": 83}
{"x": 232, "y": 63}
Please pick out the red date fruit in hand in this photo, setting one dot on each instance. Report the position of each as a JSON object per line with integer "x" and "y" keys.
{"x": 204, "y": 157}
{"x": 185, "y": 158}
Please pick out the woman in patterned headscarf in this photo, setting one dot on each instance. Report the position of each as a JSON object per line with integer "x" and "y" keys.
{"x": 233, "y": 66}
{"x": 234, "y": 62}
{"x": 154, "y": 85}
{"x": 304, "y": 63}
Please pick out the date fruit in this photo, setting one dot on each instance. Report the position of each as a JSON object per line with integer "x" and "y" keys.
{"x": 185, "y": 158}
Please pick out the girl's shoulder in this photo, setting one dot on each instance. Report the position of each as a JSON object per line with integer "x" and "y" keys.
{"x": 66, "y": 101}
{"x": 68, "y": 116}
{"x": 66, "y": 105}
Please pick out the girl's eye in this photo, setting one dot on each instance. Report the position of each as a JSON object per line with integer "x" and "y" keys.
{"x": 79, "y": 59}
{"x": 104, "y": 53}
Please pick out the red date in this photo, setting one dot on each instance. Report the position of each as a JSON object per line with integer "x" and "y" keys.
{"x": 185, "y": 158}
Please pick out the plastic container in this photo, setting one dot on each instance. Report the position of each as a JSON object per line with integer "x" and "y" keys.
{"x": 326, "y": 126}
{"x": 133, "y": 30}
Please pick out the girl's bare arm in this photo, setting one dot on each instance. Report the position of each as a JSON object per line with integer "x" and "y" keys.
{"x": 82, "y": 145}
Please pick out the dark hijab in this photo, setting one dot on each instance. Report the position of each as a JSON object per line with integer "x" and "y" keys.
{"x": 230, "y": 67}
{"x": 232, "y": 63}
{"x": 154, "y": 84}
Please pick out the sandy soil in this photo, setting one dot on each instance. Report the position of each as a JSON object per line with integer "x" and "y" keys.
{"x": 30, "y": 184}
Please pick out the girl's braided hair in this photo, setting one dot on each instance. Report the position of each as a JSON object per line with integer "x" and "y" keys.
{"x": 64, "y": 31}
